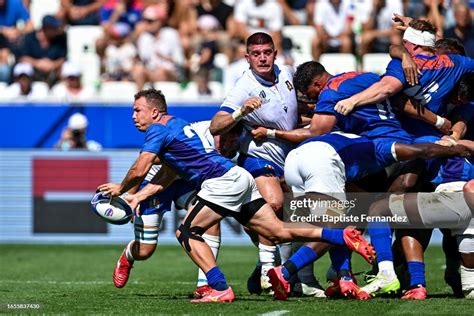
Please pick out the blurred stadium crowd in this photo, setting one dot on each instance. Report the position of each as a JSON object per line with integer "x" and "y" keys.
{"x": 79, "y": 50}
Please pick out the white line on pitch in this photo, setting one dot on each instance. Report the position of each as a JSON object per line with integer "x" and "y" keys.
{"x": 81, "y": 282}
{"x": 275, "y": 313}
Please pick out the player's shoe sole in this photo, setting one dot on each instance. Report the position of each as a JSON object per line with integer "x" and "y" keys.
{"x": 280, "y": 286}
{"x": 216, "y": 296}
{"x": 122, "y": 271}
{"x": 356, "y": 242}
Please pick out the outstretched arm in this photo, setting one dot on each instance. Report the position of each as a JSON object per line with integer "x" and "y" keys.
{"x": 429, "y": 151}
{"x": 134, "y": 177}
{"x": 320, "y": 124}
{"x": 386, "y": 87}
{"x": 441, "y": 123}
{"x": 163, "y": 178}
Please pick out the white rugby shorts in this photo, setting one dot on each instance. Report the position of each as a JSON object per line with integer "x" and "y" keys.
{"x": 232, "y": 190}
{"x": 316, "y": 167}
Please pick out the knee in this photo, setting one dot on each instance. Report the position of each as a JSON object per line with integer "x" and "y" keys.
{"x": 276, "y": 204}
{"x": 469, "y": 187}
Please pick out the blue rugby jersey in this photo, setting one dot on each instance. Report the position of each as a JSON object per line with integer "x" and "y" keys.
{"x": 455, "y": 169}
{"x": 440, "y": 74}
{"x": 179, "y": 146}
{"x": 358, "y": 153}
{"x": 373, "y": 120}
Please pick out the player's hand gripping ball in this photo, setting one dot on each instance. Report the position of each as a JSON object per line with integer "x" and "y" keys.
{"x": 114, "y": 211}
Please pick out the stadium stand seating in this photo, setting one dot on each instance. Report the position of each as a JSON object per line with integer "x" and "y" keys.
{"x": 40, "y": 8}
{"x": 81, "y": 50}
{"x": 301, "y": 36}
{"x": 121, "y": 91}
{"x": 191, "y": 91}
{"x": 376, "y": 62}
{"x": 338, "y": 63}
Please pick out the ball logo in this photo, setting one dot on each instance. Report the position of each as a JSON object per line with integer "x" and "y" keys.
{"x": 109, "y": 212}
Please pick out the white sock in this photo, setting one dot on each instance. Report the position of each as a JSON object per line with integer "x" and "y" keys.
{"x": 128, "y": 251}
{"x": 285, "y": 251}
{"x": 214, "y": 242}
{"x": 267, "y": 255}
{"x": 467, "y": 279}
{"x": 386, "y": 268}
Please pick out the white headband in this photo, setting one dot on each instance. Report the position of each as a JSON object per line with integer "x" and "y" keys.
{"x": 416, "y": 37}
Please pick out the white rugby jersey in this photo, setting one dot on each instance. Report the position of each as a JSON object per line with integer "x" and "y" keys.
{"x": 278, "y": 111}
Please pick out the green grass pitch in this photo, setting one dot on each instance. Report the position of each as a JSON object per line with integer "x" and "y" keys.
{"x": 78, "y": 280}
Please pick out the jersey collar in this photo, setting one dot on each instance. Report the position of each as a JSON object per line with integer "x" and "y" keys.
{"x": 267, "y": 83}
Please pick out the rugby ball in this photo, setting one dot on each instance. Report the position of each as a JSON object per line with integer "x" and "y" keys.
{"x": 114, "y": 211}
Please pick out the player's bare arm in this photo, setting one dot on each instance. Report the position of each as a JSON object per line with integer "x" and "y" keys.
{"x": 429, "y": 151}
{"x": 222, "y": 122}
{"x": 410, "y": 68}
{"x": 441, "y": 123}
{"x": 320, "y": 124}
{"x": 134, "y": 177}
{"x": 163, "y": 178}
{"x": 386, "y": 87}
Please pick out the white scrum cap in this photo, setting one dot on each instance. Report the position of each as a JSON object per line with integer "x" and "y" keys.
{"x": 422, "y": 38}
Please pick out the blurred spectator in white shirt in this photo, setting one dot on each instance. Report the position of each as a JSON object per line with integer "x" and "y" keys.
{"x": 378, "y": 29}
{"x": 237, "y": 66}
{"x": 70, "y": 88}
{"x": 297, "y": 12}
{"x": 120, "y": 55}
{"x": 259, "y": 16}
{"x": 24, "y": 87}
{"x": 333, "y": 26}
{"x": 159, "y": 49}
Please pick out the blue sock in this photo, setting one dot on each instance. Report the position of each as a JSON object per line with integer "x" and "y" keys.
{"x": 381, "y": 239}
{"x": 301, "y": 258}
{"x": 417, "y": 273}
{"x": 341, "y": 260}
{"x": 333, "y": 236}
{"x": 216, "y": 279}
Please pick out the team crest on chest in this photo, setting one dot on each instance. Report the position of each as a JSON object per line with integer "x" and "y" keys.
{"x": 263, "y": 96}
{"x": 289, "y": 85}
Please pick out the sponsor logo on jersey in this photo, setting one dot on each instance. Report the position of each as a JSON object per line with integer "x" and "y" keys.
{"x": 289, "y": 85}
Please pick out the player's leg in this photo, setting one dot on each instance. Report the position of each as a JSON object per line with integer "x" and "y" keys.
{"x": 452, "y": 261}
{"x": 466, "y": 246}
{"x": 381, "y": 237}
{"x": 184, "y": 197}
{"x": 146, "y": 237}
{"x": 267, "y": 178}
{"x": 212, "y": 237}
